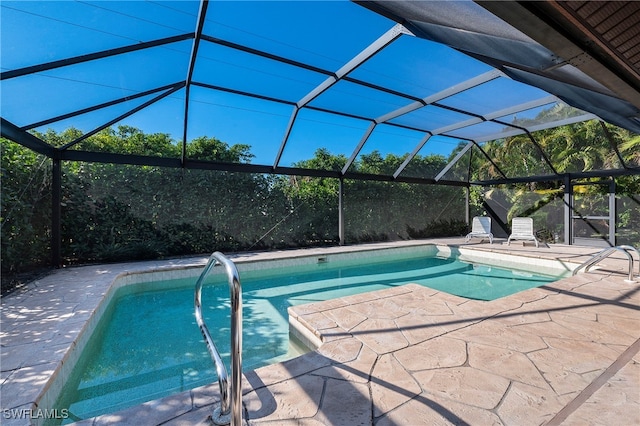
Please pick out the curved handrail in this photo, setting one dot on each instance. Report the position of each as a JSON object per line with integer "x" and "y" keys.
{"x": 607, "y": 252}
{"x": 595, "y": 259}
{"x": 633, "y": 249}
{"x": 230, "y": 410}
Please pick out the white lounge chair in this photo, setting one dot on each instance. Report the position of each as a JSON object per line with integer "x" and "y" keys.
{"x": 522, "y": 229}
{"x": 480, "y": 228}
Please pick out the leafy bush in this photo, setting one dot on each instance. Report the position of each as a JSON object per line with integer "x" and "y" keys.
{"x": 117, "y": 212}
{"x": 26, "y": 208}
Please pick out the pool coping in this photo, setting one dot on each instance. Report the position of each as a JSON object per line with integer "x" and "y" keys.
{"x": 25, "y": 379}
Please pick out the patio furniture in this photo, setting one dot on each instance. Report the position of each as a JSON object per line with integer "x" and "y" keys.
{"x": 480, "y": 228}
{"x": 522, "y": 229}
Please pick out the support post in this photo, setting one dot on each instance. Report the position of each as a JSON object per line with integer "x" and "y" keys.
{"x": 612, "y": 212}
{"x": 467, "y": 196}
{"x": 568, "y": 211}
{"x": 341, "y": 212}
{"x": 56, "y": 222}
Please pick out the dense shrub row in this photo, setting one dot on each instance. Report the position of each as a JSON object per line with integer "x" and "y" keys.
{"x": 118, "y": 212}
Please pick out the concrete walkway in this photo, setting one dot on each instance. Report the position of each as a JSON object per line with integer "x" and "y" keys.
{"x": 565, "y": 353}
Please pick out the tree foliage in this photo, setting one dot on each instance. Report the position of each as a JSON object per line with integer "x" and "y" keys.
{"x": 118, "y": 212}
{"x": 26, "y": 208}
{"x": 573, "y": 148}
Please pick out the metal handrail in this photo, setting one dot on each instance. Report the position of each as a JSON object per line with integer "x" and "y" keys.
{"x": 607, "y": 252}
{"x": 230, "y": 410}
{"x": 633, "y": 249}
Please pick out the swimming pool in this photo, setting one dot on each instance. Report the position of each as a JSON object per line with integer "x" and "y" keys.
{"x": 147, "y": 344}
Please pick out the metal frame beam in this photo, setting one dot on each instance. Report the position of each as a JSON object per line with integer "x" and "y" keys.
{"x": 19, "y": 135}
{"x": 448, "y": 167}
{"x": 202, "y": 14}
{"x": 536, "y": 128}
{"x": 453, "y": 90}
{"x": 476, "y": 118}
{"x": 99, "y": 106}
{"x": 535, "y": 143}
{"x": 431, "y": 99}
{"x": 517, "y": 129}
{"x": 341, "y": 212}
{"x": 541, "y": 151}
{"x": 490, "y": 160}
{"x": 614, "y": 146}
{"x": 264, "y": 54}
{"x": 122, "y": 116}
{"x": 567, "y": 197}
{"x": 383, "y": 41}
{"x": 143, "y": 160}
{"x": 356, "y": 151}
{"x": 56, "y": 213}
{"x": 411, "y": 156}
{"x": 558, "y": 178}
{"x": 92, "y": 56}
{"x": 12, "y": 132}
{"x": 241, "y": 93}
{"x": 287, "y": 133}
{"x": 286, "y": 102}
{"x": 613, "y": 214}
{"x": 522, "y": 107}
{"x": 570, "y": 120}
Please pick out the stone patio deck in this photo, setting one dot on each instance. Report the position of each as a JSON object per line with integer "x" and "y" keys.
{"x": 565, "y": 353}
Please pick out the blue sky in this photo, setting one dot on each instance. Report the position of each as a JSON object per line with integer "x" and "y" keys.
{"x": 324, "y": 34}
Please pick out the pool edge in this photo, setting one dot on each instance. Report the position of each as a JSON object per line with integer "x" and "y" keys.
{"x": 159, "y": 266}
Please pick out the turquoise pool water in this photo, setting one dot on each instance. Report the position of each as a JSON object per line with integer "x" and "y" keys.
{"x": 147, "y": 344}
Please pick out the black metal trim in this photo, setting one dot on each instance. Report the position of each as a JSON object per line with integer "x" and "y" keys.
{"x": 267, "y": 55}
{"x": 100, "y": 106}
{"x": 123, "y": 159}
{"x": 202, "y": 14}
{"x": 534, "y": 141}
{"x": 490, "y": 159}
{"x": 559, "y": 177}
{"x": 241, "y": 93}
{"x": 56, "y": 213}
{"x": 92, "y": 56}
{"x": 12, "y": 132}
{"x": 324, "y": 110}
{"x": 123, "y": 116}
{"x": 544, "y": 154}
{"x": 142, "y": 160}
{"x": 607, "y": 134}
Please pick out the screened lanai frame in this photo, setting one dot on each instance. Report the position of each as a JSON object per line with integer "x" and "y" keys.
{"x": 462, "y": 112}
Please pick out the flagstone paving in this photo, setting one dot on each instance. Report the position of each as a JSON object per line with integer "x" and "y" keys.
{"x": 565, "y": 353}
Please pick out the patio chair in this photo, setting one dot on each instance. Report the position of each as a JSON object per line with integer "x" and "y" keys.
{"x": 522, "y": 229}
{"x": 480, "y": 228}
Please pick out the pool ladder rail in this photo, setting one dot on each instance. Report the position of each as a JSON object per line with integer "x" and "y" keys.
{"x": 627, "y": 250}
{"x": 230, "y": 409}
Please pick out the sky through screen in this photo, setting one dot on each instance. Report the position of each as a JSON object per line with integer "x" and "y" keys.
{"x": 324, "y": 35}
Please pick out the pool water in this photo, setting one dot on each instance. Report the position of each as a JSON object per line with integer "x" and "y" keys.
{"x": 147, "y": 344}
